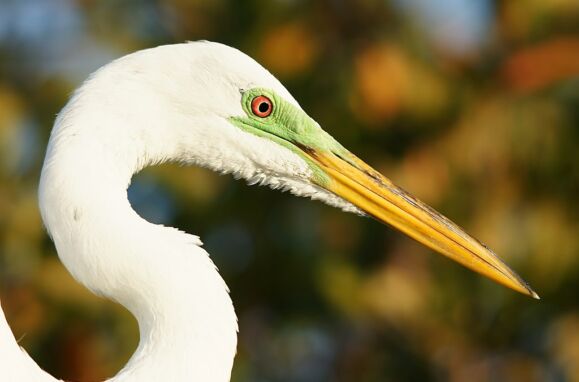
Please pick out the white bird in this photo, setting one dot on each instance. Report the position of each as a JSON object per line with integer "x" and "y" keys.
{"x": 209, "y": 105}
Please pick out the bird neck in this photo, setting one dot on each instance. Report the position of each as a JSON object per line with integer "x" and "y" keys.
{"x": 161, "y": 275}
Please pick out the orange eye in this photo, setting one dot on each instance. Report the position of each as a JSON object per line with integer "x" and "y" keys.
{"x": 261, "y": 106}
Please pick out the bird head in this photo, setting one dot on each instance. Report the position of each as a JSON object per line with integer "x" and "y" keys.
{"x": 211, "y": 105}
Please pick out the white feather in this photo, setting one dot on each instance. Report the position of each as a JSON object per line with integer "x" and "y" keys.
{"x": 170, "y": 103}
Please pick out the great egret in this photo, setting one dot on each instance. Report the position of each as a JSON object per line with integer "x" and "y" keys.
{"x": 209, "y": 105}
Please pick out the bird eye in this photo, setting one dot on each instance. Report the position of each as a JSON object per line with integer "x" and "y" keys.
{"x": 261, "y": 106}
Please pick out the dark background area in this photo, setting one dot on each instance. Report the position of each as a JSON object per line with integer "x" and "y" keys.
{"x": 472, "y": 105}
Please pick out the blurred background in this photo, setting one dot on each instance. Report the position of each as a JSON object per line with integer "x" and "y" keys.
{"x": 472, "y": 105}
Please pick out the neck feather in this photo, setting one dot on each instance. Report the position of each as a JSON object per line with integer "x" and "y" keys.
{"x": 186, "y": 318}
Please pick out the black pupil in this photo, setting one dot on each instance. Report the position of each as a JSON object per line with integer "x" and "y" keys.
{"x": 263, "y": 107}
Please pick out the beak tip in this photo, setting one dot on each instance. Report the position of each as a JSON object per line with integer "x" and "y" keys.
{"x": 528, "y": 290}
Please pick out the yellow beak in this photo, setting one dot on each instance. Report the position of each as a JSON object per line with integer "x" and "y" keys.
{"x": 361, "y": 185}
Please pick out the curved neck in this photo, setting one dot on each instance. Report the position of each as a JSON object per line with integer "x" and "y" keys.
{"x": 186, "y": 318}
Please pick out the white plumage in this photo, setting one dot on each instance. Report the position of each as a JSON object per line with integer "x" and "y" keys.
{"x": 170, "y": 103}
{"x": 188, "y": 103}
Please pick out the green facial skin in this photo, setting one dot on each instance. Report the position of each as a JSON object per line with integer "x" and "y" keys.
{"x": 290, "y": 127}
